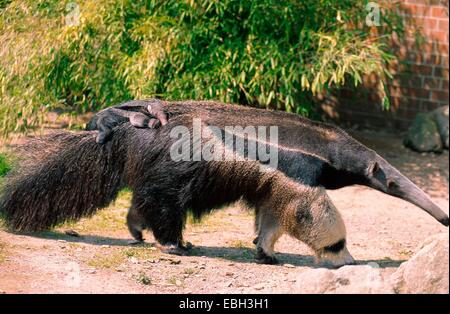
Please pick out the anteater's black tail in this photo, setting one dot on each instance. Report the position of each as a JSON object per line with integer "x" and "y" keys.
{"x": 61, "y": 177}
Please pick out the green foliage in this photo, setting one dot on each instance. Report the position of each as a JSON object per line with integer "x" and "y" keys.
{"x": 4, "y": 166}
{"x": 267, "y": 53}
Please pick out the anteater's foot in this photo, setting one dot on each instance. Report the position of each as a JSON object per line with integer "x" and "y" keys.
{"x": 262, "y": 258}
{"x": 137, "y": 235}
{"x": 135, "y": 242}
{"x": 72, "y": 233}
{"x": 175, "y": 249}
{"x": 135, "y": 225}
{"x": 103, "y": 136}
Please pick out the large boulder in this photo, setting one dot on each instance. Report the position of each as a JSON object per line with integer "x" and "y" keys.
{"x": 427, "y": 271}
{"x": 423, "y": 135}
{"x": 347, "y": 280}
{"x": 441, "y": 117}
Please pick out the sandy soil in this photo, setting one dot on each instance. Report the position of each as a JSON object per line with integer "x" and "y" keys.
{"x": 381, "y": 229}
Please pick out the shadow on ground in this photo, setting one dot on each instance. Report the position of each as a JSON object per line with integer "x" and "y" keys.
{"x": 238, "y": 255}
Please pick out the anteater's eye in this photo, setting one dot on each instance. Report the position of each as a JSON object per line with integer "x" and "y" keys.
{"x": 391, "y": 184}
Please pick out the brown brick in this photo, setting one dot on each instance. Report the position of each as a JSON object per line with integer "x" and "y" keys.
{"x": 396, "y": 91}
{"x": 432, "y": 83}
{"x": 420, "y": 1}
{"x": 440, "y": 36}
{"x": 414, "y": 81}
{"x": 444, "y": 85}
{"x": 427, "y": 48}
{"x": 429, "y": 106}
{"x": 407, "y": 80}
{"x": 416, "y": 9}
{"x": 407, "y": 113}
{"x": 443, "y": 25}
{"x": 394, "y": 67}
{"x": 414, "y": 57}
{"x": 441, "y": 96}
{"x": 434, "y": 2}
{"x": 440, "y": 12}
{"x": 425, "y": 23}
{"x": 427, "y": 2}
{"x": 441, "y": 48}
{"x": 432, "y": 59}
{"x": 416, "y": 92}
{"x": 440, "y": 72}
{"x": 422, "y": 69}
{"x": 405, "y": 101}
{"x": 395, "y": 102}
{"x": 373, "y": 97}
{"x": 444, "y": 61}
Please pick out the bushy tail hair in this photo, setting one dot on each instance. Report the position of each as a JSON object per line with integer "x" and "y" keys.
{"x": 62, "y": 176}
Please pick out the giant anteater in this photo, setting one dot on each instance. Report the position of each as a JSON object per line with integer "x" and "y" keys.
{"x": 71, "y": 175}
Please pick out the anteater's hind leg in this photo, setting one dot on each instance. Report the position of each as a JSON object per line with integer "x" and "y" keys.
{"x": 136, "y": 224}
{"x": 268, "y": 233}
{"x": 166, "y": 222}
{"x": 167, "y": 226}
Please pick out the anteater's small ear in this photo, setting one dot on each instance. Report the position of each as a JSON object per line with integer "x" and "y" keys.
{"x": 373, "y": 168}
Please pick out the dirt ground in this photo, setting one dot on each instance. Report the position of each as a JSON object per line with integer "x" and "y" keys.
{"x": 381, "y": 229}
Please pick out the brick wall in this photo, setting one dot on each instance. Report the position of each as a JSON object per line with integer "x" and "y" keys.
{"x": 422, "y": 75}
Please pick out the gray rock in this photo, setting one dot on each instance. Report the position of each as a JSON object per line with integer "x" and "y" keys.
{"x": 441, "y": 118}
{"x": 259, "y": 286}
{"x": 347, "y": 279}
{"x": 427, "y": 270}
{"x": 423, "y": 135}
{"x": 318, "y": 280}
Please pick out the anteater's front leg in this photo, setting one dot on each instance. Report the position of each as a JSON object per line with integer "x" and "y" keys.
{"x": 268, "y": 233}
{"x": 136, "y": 224}
{"x": 257, "y": 224}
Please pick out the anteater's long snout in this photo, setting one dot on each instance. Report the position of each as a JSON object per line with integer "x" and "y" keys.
{"x": 386, "y": 178}
{"x": 411, "y": 193}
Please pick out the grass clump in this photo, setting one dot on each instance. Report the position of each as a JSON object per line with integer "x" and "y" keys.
{"x": 106, "y": 260}
{"x": 2, "y": 252}
{"x": 143, "y": 279}
{"x": 4, "y": 166}
{"x": 141, "y": 253}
